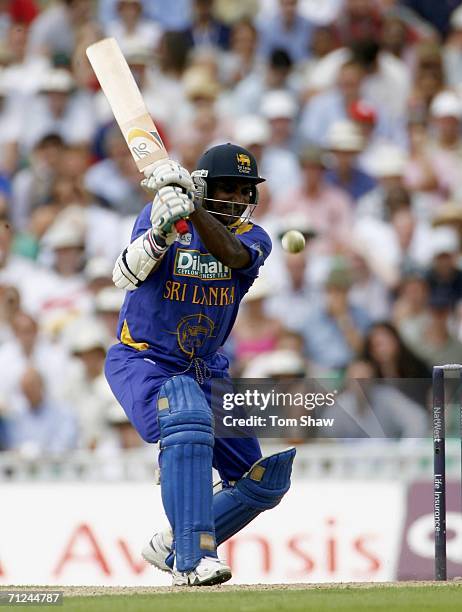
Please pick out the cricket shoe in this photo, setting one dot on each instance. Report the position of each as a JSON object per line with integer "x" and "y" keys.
{"x": 210, "y": 571}
{"x": 158, "y": 549}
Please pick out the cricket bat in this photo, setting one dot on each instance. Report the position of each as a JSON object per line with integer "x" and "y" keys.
{"x": 128, "y": 108}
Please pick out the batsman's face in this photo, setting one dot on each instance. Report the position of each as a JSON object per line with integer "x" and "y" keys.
{"x": 233, "y": 198}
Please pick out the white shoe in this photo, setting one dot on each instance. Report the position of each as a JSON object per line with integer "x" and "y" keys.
{"x": 158, "y": 549}
{"x": 209, "y": 571}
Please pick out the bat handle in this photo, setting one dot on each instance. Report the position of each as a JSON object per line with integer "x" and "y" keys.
{"x": 182, "y": 227}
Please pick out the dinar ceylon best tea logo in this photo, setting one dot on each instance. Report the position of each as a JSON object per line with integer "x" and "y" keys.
{"x": 199, "y": 265}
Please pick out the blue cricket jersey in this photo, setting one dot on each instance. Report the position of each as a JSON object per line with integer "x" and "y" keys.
{"x": 187, "y": 307}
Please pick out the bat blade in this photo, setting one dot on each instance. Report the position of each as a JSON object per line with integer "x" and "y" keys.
{"x": 126, "y": 102}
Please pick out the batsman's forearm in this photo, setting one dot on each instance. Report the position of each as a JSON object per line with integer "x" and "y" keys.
{"x": 219, "y": 241}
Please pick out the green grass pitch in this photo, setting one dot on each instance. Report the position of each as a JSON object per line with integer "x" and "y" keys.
{"x": 445, "y": 597}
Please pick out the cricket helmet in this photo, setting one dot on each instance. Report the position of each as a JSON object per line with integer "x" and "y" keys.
{"x": 226, "y": 162}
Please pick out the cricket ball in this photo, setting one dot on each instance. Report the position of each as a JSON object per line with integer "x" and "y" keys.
{"x": 293, "y": 241}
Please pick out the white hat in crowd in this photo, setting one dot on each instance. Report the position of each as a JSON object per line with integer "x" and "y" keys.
{"x": 199, "y": 83}
{"x": 388, "y": 161}
{"x": 109, "y": 299}
{"x": 57, "y": 80}
{"x": 444, "y": 240}
{"x": 456, "y": 19}
{"x": 446, "y": 104}
{"x": 98, "y": 267}
{"x": 85, "y": 334}
{"x": 251, "y": 130}
{"x": 137, "y": 53}
{"x": 298, "y": 221}
{"x": 345, "y": 136}
{"x": 283, "y": 362}
{"x": 278, "y": 104}
{"x": 259, "y": 290}
{"x": 115, "y": 414}
{"x": 62, "y": 234}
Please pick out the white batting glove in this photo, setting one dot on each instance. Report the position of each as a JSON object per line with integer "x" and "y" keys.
{"x": 167, "y": 172}
{"x": 170, "y": 205}
{"x": 137, "y": 261}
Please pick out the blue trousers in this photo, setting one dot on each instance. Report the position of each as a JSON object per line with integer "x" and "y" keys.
{"x": 135, "y": 378}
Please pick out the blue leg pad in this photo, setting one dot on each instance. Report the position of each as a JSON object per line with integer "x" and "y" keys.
{"x": 262, "y": 488}
{"x": 186, "y": 442}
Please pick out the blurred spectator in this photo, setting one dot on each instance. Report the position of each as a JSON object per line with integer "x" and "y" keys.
{"x": 388, "y": 80}
{"x": 40, "y": 425}
{"x": 395, "y": 36}
{"x": 23, "y": 74}
{"x": 202, "y": 115}
{"x": 29, "y": 348}
{"x": 266, "y": 140}
{"x": 241, "y": 59}
{"x": 115, "y": 180}
{"x": 323, "y": 42}
{"x": 14, "y": 270}
{"x": 60, "y": 109}
{"x": 280, "y": 109}
{"x": 345, "y": 142}
{"x": 10, "y": 304}
{"x": 419, "y": 174}
{"x": 370, "y": 290}
{"x": 294, "y": 291}
{"x": 410, "y": 307}
{"x": 371, "y": 409}
{"x": 205, "y": 30}
{"x": 131, "y": 27}
{"x": 120, "y": 435}
{"x": 32, "y": 186}
{"x": 452, "y": 50}
{"x": 84, "y": 388}
{"x": 387, "y": 166}
{"x": 62, "y": 296}
{"x": 385, "y": 82}
{"x": 54, "y": 30}
{"x": 327, "y": 208}
{"x": 276, "y": 75}
{"x": 332, "y": 105}
{"x": 444, "y": 277}
{"x": 254, "y": 332}
{"x": 446, "y": 148}
{"x": 435, "y": 340}
{"x": 175, "y": 15}
{"x": 393, "y": 359}
{"x": 279, "y": 164}
{"x": 359, "y": 20}
{"x": 397, "y": 242}
{"x": 108, "y": 302}
{"x": 429, "y": 77}
{"x": 334, "y": 329}
{"x": 287, "y": 30}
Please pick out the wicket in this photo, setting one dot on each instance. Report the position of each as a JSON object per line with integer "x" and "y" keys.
{"x": 439, "y": 466}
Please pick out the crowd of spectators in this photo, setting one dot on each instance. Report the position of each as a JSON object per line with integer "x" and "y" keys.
{"x": 353, "y": 109}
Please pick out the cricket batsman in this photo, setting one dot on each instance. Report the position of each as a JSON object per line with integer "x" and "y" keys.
{"x": 183, "y": 295}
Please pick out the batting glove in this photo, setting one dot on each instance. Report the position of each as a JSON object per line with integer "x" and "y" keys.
{"x": 167, "y": 172}
{"x": 170, "y": 204}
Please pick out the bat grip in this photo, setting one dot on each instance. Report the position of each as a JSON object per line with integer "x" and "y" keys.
{"x": 182, "y": 227}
